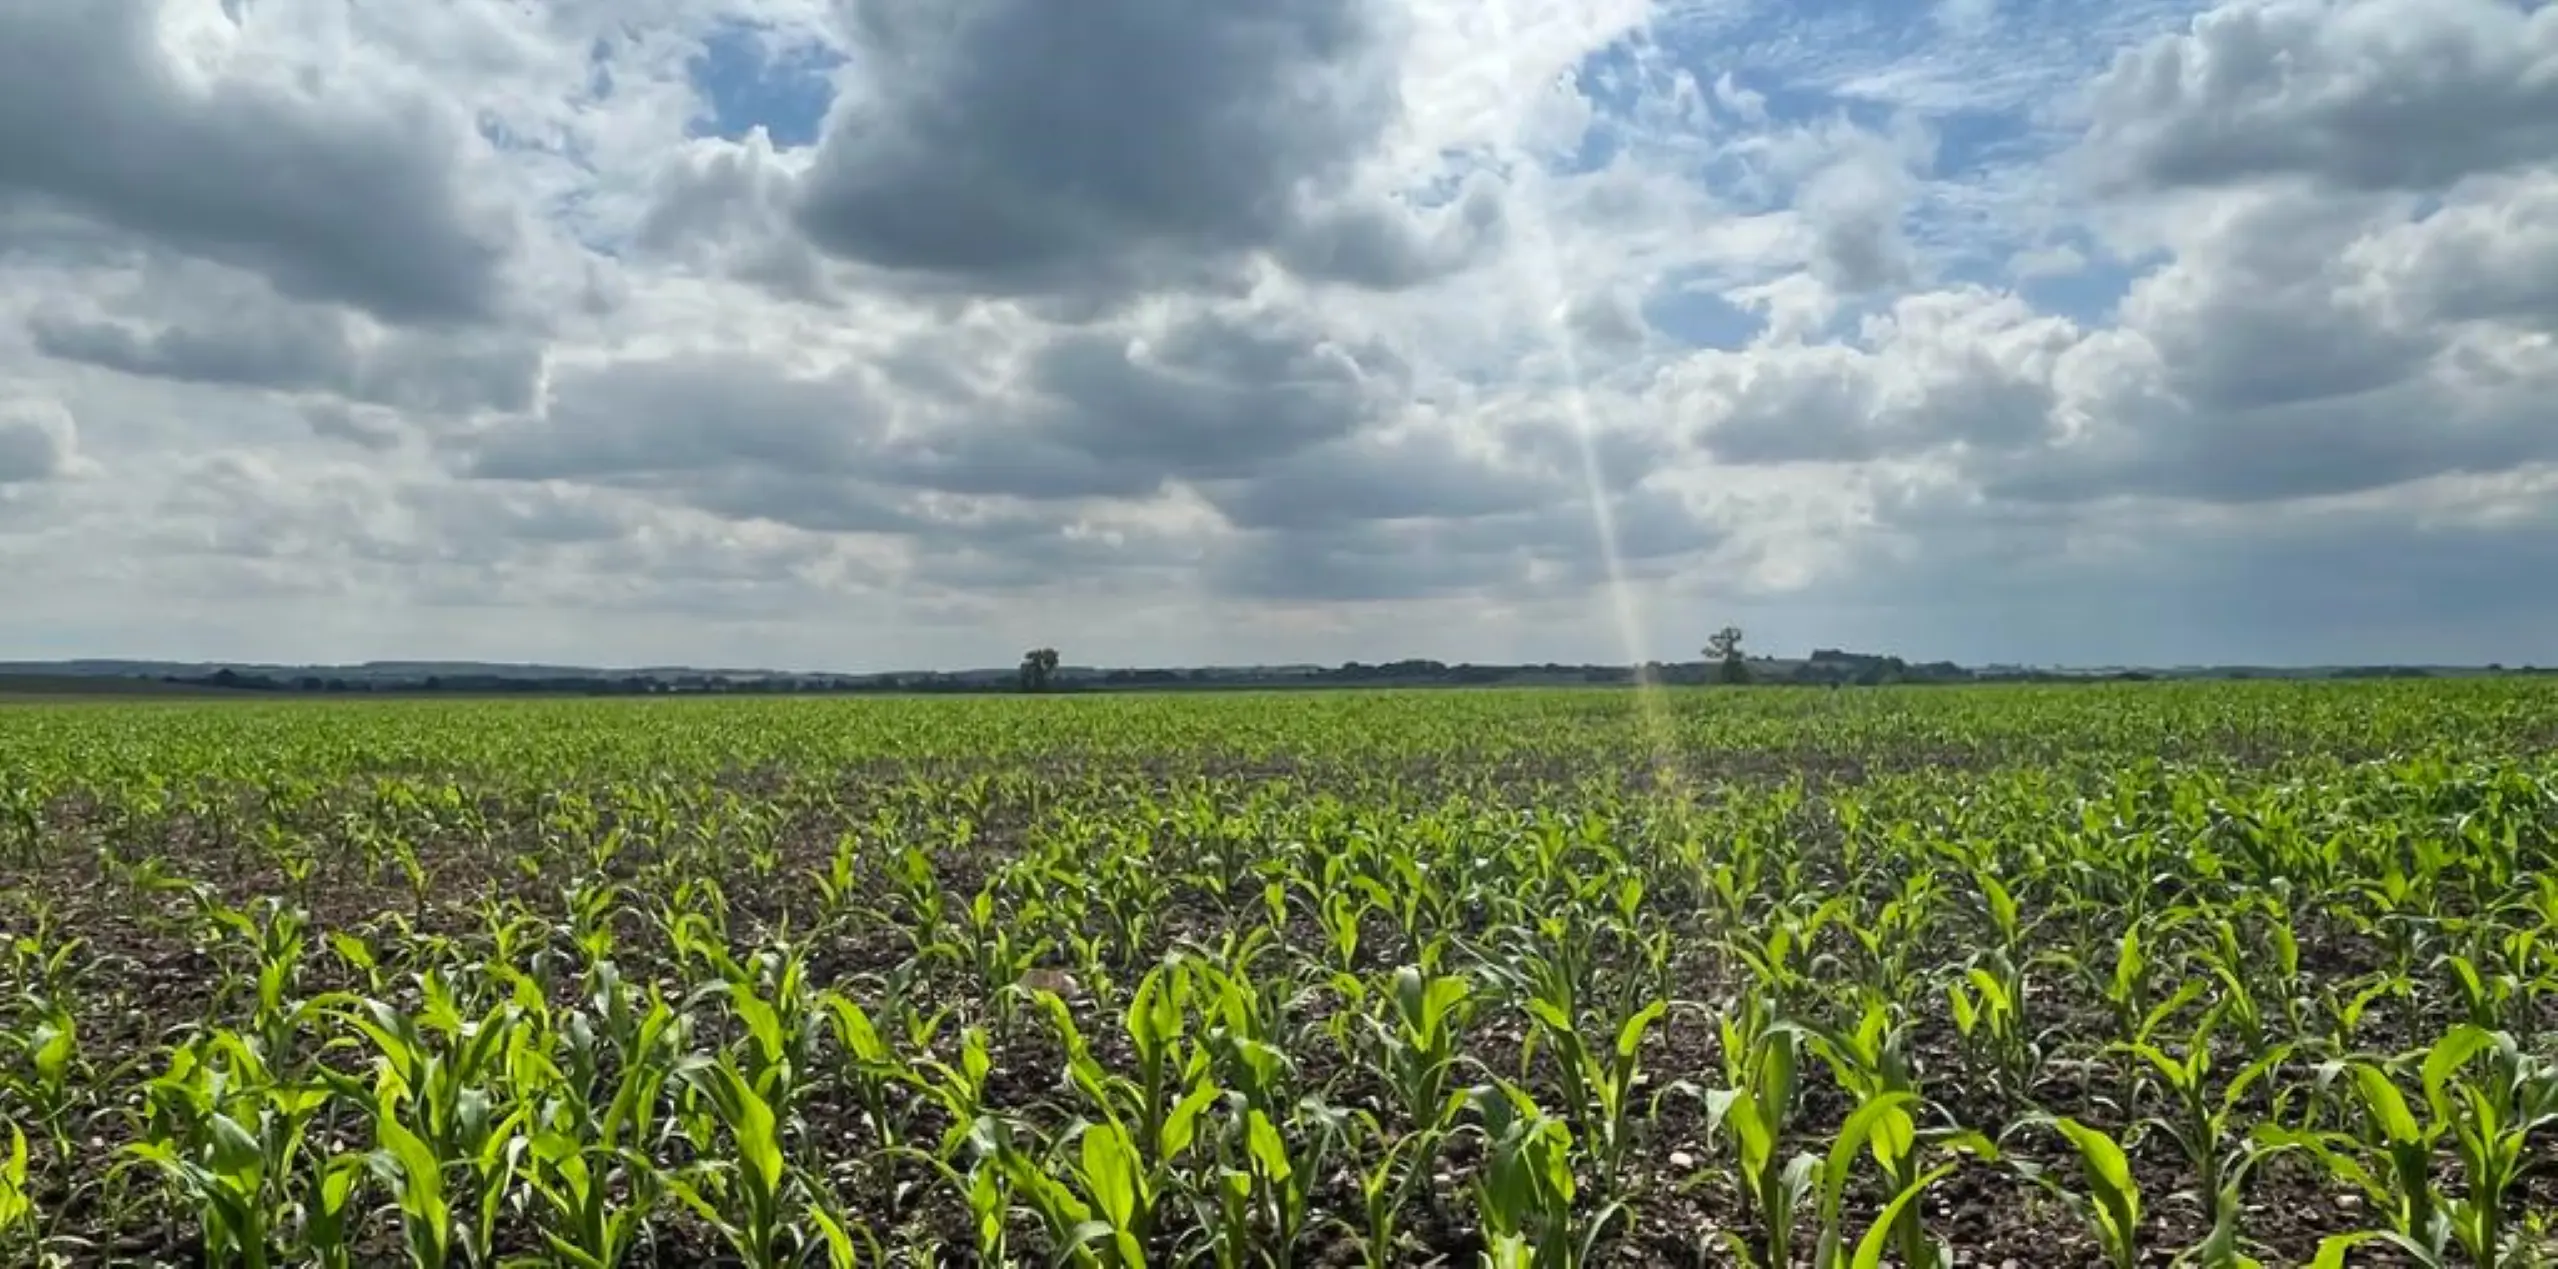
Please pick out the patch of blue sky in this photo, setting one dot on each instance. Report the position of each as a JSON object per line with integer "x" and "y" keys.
{"x": 1695, "y": 316}
{"x": 749, "y": 77}
{"x": 1621, "y": 82}
{"x": 2088, "y": 294}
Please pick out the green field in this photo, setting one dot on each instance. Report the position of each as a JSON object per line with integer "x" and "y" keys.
{"x": 2108, "y": 975}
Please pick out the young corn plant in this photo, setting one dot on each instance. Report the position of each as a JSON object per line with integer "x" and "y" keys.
{"x": 2110, "y": 1205}
{"x": 865, "y": 1064}
{"x": 446, "y": 1137}
{"x": 227, "y": 1139}
{"x": 43, "y": 1061}
{"x": 2206, "y": 1125}
{"x": 1989, "y": 1007}
{"x": 19, "y": 1220}
{"x": 1525, "y": 1195}
{"x": 1871, "y": 1062}
{"x": 838, "y": 884}
{"x": 587, "y": 1159}
{"x": 2488, "y": 1121}
{"x": 741, "y": 1184}
{"x": 1599, "y": 1081}
{"x": 1385, "y": 1183}
{"x": 998, "y": 958}
{"x": 1172, "y": 1082}
{"x": 960, "y": 1088}
{"x": 1890, "y": 943}
{"x": 2235, "y": 1005}
{"x": 1882, "y": 1126}
{"x": 1099, "y": 1200}
{"x": 1752, "y": 1115}
{"x": 1265, "y": 1182}
{"x": 1128, "y": 1161}
{"x": 1416, "y": 1052}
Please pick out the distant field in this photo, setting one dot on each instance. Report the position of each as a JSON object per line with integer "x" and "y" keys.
{"x": 2043, "y": 975}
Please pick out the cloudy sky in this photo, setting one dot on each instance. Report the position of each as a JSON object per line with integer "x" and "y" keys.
{"x": 874, "y": 333}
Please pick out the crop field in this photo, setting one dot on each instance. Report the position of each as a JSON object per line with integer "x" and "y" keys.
{"x": 2214, "y": 974}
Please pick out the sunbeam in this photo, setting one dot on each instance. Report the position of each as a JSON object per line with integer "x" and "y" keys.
{"x": 1543, "y": 272}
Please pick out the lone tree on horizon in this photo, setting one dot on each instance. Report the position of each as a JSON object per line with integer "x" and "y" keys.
{"x": 1038, "y": 669}
{"x": 1724, "y": 646}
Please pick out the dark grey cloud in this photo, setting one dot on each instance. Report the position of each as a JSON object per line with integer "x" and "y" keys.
{"x": 1805, "y": 405}
{"x": 2427, "y": 425}
{"x": 2358, "y": 94}
{"x": 484, "y": 523}
{"x": 1219, "y": 395}
{"x": 1008, "y": 550}
{"x": 1091, "y": 413}
{"x": 1627, "y": 452}
{"x": 35, "y": 442}
{"x": 1273, "y": 424}
{"x": 303, "y": 348}
{"x": 2251, "y": 351}
{"x": 1022, "y": 146}
{"x": 362, "y": 427}
{"x": 1111, "y": 412}
{"x": 1383, "y": 246}
{"x": 2266, "y": 309}
{"x": 1355, "y": 564}
{"x": 355, "y": 200}
{"x": 1414, "y": 476}
{"x": 1553, "y": 546}
{"x": 1607, "y": 320}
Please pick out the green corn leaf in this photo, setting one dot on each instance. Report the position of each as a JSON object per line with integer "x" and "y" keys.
{"x": 1799, "y": 1182}
{"x": 1852, "y": 1140}
{"x": 15, "y": 1206}
{"x": 2109, "y": 1174}
{"x": 853, "y": 1029}
{"x": 404, "y": 1162}
{"x": 1269, "y": 1151}
{"x": 2444, "y": 1061}
{"x": 56, "y": 1041}
{"x": 2387, "y": 1105}
{"x": 1181, "y": 1126}
{"x": 1630, "y": 1036}
{"x": 2002, "y": 905}
{"x": 1894, "y": 1138}
{"x": 1993, "y": 992}
{"x": 1110, "y": 1172}
{"x": 1154, "y": 1013}
{"x": 1878, "y": 1236}
{"x": 841, "y": 1251}
{"x": 236, "y": 1150}
{"x": 1440, "y": 1001}
{"x": 1966, "y": 1014}
{"x": 1757, "y": 1138}
{"x": 2254, "y": 1071}
{"x": 1551, "y": 1014}
{"x": 2332, "y": 1250}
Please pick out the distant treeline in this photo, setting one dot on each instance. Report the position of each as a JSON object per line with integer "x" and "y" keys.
{"x": 1824, "y": 668}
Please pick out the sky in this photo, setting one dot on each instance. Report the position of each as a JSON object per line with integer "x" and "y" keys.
{"x": 867, "y": 334}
